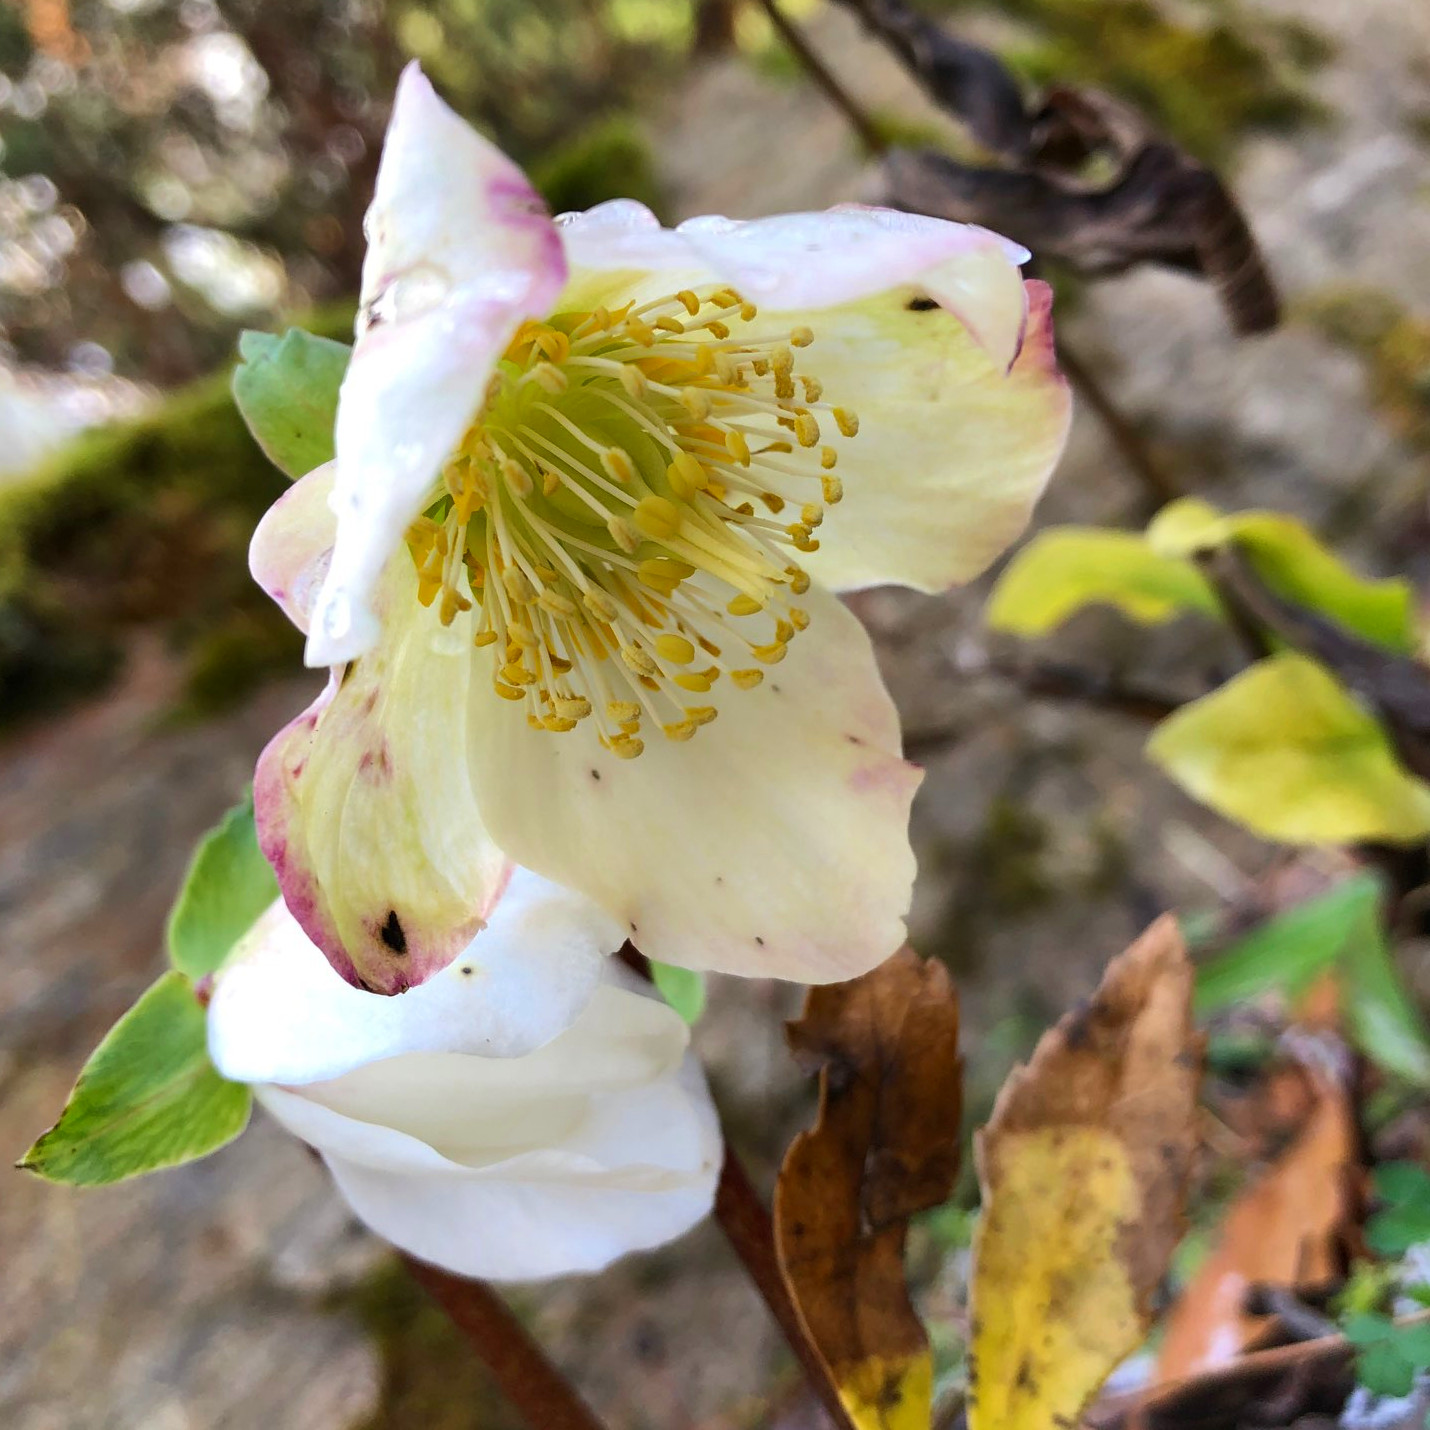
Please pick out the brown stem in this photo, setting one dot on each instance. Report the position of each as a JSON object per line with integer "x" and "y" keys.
{"x": 518, "y": 1365}
{"x": 824, "y": 77}
{"x": 745, "y": 1220}
{"x": 1161, "y": 486}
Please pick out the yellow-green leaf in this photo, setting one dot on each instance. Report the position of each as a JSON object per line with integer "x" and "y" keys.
{"x": 1295, "y": 565}
{"x": 1084, "y": 1167}
{"x": 147, "y": 1098}
{"x": 1063, "y": 570}
{"x": 1286, "y": 751}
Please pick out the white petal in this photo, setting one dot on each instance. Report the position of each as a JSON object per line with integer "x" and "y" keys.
{"x": 280, "y": 1013}
{"x": 364, "y": 809}
{"x": 603, "y": 1142}
{"x": 775, "y": 843}
{"x": 461, "y": 252}
{"x": 813, "y": 260}
{"x": 293, "y": 544}
{"x": 952, "y": 453}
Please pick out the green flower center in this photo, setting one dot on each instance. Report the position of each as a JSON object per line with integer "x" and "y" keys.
{"x": 617, "y": 524}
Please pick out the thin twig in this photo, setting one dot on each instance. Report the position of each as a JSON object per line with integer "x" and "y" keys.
{"x": 745, "y": 1220}
{"x": 518, "y": 1365}
{"x": 1159, "y": 483}
{"x": 824, "y": 77}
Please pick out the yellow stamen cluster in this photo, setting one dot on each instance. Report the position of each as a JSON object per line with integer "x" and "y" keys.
{"x": 612, "y": 525}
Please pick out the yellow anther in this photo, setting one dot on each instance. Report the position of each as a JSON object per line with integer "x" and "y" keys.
{"x": 689, "y": 300}
{"x": 676, "y": 649}
{"x": 624, "y": 534}
{"x": 717, "y": 329}
{"x": 681, "y": 730}
{"x": 686, "y": 476}
{"x": 640, "y": 332}
{"x": 696, "y": 401}
{"x": 522, "y": 635}
{"x": 774, "y": 501}
{"x": 553, "y": 344}
{"x": 484, "y": 638}
{"x": 639, "y": 661}
{"x": 811, "y": 514}
{"x": 770, "y": 654}
{"x": 618, "y": 465}
{"x": 799, "y": 618}
{"x": 727, "y": 369}
{"x": 813, "y": 388}
{"x": 747, "y": 679}
{"x": 784, "y": 386}
{"x": 657, "y": 517}
{"x": 452, "y": 602}
{"x": 806, "y": 543}
{"x": 725, "y": 298}
{"x": 518, "y": 675}
{"x": 573, "y": 707}
{"x": 633, "y": 380}
{"x": 806, "y": 429}
{"x": 550, "y": 480}
{"x": 600, "y": 604}
{"x": 802, "y": 336}
{"x": 745, "y": 509}
{"x": 518, "y": 587}
{"x": 743, "y": 605}
{"x": 632, "y": 727}
{"x": 701, "y": 714}
{"x": 832, "y": 490}
{"x": 557, "y": 604}
{"x": 549, "y": 377}
{"x": 784, "y": 632}
{"x": 558, "y": 724}
{"x": 508, "y": 692}
{"x": 623, "y": 711}
{"x": 846, "y": 421}
{"x": 737, "y": 447}
{"x": 761, "y": 366}
{"x": 709, "y": 647}
{"x": 626, "y": 747}
{"x": 663, "y": 571}
{"x": 798, "y": 579}
{"x": 670, "y": 325}
{"x": 782, "y": 361}
{"x": 696, "y": 680}
{"x": 559, "y": 664}
{"x": 748, "y": 312}
{"x": 517, "y": 477}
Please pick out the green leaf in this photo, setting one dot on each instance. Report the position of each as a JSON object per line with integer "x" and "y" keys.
{"x": 1294, "y": 564}
{"x": 287, "y": 390}
{"x": 1065, "y": 569}
{"x": 1382, "y": 1018}
{"x": 228, "y": 884}
{"x": 1405, "y": 1221}
{"x": 1285, "y": 751}
{"x": 1289, "y": 951}
{"x": 1390, "y": 1355}
{"x": 147, "y": 1098}
{"x": 682, "y": 988}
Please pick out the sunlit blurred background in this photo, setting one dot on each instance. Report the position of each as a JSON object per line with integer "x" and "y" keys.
{"x": 173, "y": 171}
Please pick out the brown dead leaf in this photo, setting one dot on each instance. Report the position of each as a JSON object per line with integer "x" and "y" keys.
{"x": 1289, "y": 1229}
{"x": 1084, "y": 1166}
{"x": 885, "y": 1146}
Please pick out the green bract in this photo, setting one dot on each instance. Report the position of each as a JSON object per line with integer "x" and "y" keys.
{"x": 148, "y": 1097}
{"x": 682, "y": 988}
{"x": 228, "y": 884}
{"x": 287, "y": 390}
{"x": 1284, "y": 750}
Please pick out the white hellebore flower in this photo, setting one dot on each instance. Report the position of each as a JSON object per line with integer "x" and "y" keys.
{"x": 574, "y": 566}
{"x": 449, "y": 1123}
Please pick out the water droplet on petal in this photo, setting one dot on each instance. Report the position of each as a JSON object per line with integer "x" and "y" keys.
{"x": 336, "y": 617}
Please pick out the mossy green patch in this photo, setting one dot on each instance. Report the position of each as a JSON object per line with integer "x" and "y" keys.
{"x": 607, "y": 159}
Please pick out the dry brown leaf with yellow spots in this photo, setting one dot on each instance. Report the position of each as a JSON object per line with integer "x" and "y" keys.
{"x": 1084, "y": 1167}
{"x": 884, "y": 1147}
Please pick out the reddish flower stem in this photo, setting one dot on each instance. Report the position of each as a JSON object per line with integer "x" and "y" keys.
{"x": 519, "y": 1366}
{"x": 746, "y": 1222}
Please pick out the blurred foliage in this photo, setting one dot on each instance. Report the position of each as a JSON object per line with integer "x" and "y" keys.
{"x": 172, "y": 169}
{"x": 1205, "y": 72}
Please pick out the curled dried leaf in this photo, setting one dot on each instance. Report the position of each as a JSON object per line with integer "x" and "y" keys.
{"x": 884, "y": 1147}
